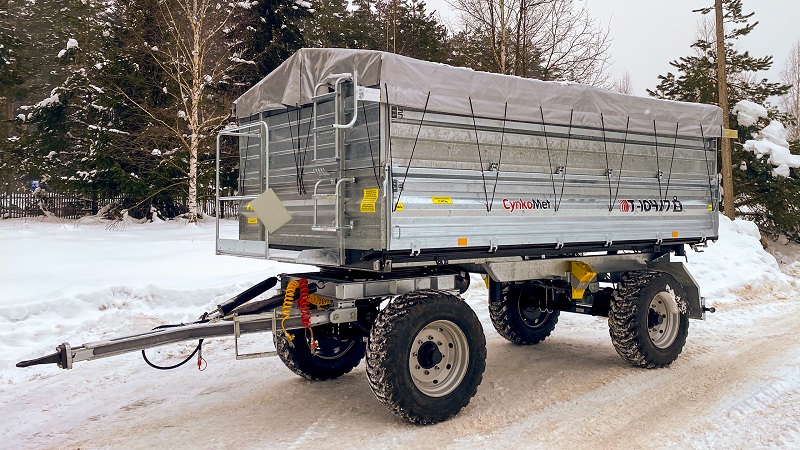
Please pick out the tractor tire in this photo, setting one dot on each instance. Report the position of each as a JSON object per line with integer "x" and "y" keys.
{"x": 518, "y": 318}
{"x": 426, "y": 356}
{"x": 334, "y": 357}
{"x": 648, "y": 320}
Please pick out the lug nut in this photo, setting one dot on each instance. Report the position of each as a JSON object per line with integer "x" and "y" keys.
{"x": 415, "y": 353}
{"x": 439, "y": 343}
{"x": 437, "y": 367}
{"x": 416, "y": 367}
{"x": 427, "y": 372}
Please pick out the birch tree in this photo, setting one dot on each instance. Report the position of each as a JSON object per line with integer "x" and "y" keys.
{"x": 624, "y": 85}
{"x": 197, "y": 44}
{"x": 791, "y": 101}
{"x": 547, "y": 39}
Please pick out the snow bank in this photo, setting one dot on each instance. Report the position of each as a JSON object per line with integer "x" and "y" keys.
{"x": 736, "y": 262}
{"x": 78, "y": 283}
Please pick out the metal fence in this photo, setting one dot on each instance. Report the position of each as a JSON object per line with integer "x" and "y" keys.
{"x": 23, "y": 203}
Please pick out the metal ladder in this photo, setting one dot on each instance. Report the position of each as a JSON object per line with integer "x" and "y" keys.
{"x": 338, "y": 180}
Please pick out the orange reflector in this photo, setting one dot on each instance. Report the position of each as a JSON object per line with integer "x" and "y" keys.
{"x": 674, "y": 234}
{"x": 462, "y": 242}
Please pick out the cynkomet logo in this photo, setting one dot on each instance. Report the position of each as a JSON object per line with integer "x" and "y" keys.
{"x": 525, "y": 205}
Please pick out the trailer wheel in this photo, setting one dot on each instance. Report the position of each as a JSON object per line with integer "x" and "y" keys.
{"x": 334, "y": 357}
{"x": 518, "y": 317}
{"x": 648, "y": 321}
{"x": 426, "y": 356}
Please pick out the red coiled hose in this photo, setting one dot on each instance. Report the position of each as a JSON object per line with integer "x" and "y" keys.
{"x": 305, "y": 311}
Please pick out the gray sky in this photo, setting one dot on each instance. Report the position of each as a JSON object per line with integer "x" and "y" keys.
{"x": 648, "y": 34}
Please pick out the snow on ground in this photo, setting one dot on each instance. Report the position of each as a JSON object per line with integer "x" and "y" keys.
{"x": 736, "y": 385}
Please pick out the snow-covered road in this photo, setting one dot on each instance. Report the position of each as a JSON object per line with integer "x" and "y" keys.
{"x": 736, "y": 385}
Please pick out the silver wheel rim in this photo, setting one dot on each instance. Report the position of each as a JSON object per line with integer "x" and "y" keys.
{"x": 439, "y": 358}
{"x": 662, "y": 323}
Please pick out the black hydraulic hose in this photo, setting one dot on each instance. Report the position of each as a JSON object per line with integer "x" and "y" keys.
{"x": 226, "y": 308}
{"x": 174, "y": 366}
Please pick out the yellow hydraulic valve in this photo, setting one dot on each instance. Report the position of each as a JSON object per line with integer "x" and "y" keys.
{"x": 582, "y": 275}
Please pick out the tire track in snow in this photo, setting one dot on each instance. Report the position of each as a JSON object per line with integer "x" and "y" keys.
{"x": 643, "y": 408}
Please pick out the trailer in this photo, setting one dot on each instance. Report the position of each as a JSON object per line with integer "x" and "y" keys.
{"x": 398, "y": 178}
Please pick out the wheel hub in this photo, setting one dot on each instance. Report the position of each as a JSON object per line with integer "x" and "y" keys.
{"x": 662, "y": 324}
{"x": 439, "y": 358}
{"x": 429, "y": 355}
{"x": 654, "y": 319}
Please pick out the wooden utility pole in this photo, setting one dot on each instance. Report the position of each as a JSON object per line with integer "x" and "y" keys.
{"x": 722, "y": 83}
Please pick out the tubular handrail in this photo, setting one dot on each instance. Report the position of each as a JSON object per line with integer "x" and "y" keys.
{"x": 355, "y": 102}
{"x": 263, "y": 134}
{"x": 336, "y": 224}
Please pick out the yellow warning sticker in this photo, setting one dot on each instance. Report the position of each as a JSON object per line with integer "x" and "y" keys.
{"x": 369, "y": 200}
{"x": 442, "y": 200}
{"x": 710, "y": 207}
{"x": 248, "y": 207}
{"x": 399, "y": 206}
{"x": 252, "y": 220}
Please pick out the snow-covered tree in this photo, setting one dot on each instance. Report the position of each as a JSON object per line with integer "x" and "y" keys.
{"x": 769, "y": 200}
{"x": 68, "y": 142}
{"x": 196, "y": 45}
{"x": 11, "y": 77}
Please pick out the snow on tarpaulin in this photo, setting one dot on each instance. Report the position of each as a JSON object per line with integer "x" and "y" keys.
{"x": 407, "y": 82}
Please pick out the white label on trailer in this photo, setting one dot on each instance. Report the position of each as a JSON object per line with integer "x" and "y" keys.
{"x": 369, "y": 94}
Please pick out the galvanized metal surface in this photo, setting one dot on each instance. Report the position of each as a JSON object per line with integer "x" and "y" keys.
{"x": 546, "y": 268}
{"x": 419, "y": 181}
{"x": 350, "y": 290}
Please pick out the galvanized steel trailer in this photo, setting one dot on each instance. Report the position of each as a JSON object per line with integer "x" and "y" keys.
{"x": 398, "y": 178}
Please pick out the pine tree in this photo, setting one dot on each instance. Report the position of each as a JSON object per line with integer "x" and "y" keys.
{"x": 772, "y": 202}
{"x": 68, "y": 140}
{"x": 275, "y": 32}
{"x": 10, "y": 79}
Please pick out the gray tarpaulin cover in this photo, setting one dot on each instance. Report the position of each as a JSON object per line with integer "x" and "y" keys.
{"x": 405, "y": 81}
